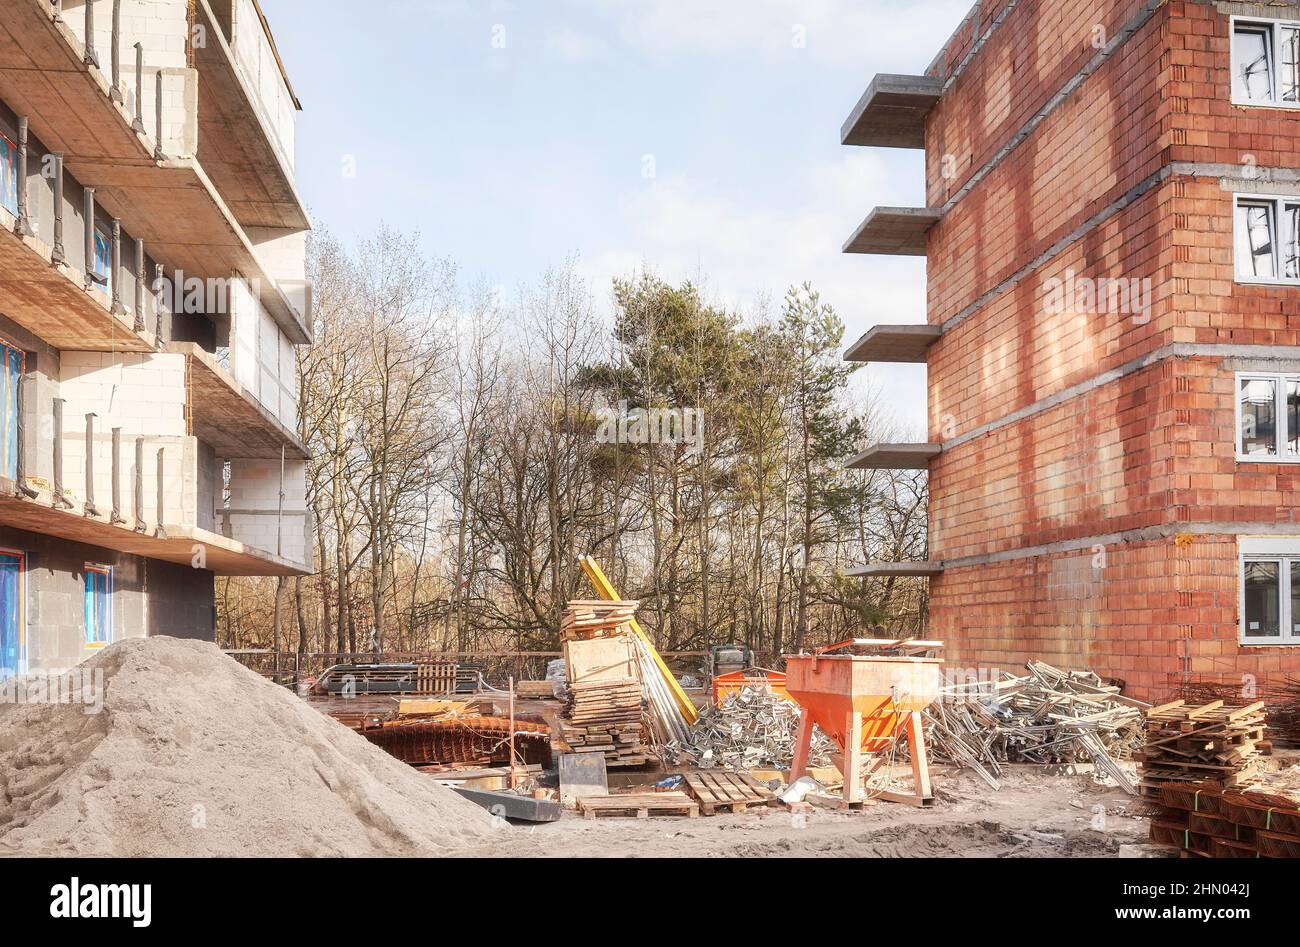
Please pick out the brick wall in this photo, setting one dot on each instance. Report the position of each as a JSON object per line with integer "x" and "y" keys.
{"x": 1088, "y": 504}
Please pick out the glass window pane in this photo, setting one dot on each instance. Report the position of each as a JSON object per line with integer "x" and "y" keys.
{"x": 1290, "y": 77}
{"x": 1252, "y": 74}
{"x": 1258, "y": 417}
{"x": 1291, "y": 241}
{"x": 1295, "y": 598}
{"x": 1255, "y": 240}
{"x": 9, "y": 175}
{"x": 1293, "y": 418}
{"x": 1262, "y": 601}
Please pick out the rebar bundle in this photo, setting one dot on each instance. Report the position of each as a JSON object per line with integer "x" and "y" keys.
{"x": 477, "y": 740}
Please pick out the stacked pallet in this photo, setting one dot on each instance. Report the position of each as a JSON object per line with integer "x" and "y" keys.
{"x": 1204, "y": 821}
{"x": 606, "y": 716}
{"x": 583, "y": 620}
{"x": 1211, "y": 744}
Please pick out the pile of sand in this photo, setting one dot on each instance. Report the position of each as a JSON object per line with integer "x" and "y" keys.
{"x": 194, "y": 755}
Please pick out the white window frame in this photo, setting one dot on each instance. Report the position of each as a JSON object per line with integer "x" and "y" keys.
{"x": 1276, "y": 27}
{"x": 1277, "y": 204}
{"x": 1279, "y": 381}
{"x": 1281, "y": 550}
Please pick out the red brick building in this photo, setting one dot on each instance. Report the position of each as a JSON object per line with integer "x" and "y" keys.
{"x": 1113, "y": 342}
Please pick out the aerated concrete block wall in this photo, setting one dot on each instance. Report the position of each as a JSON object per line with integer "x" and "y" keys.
{"x": 1088, "y": 505}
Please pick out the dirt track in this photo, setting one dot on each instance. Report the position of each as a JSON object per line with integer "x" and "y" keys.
{"x": 1035, "y": 814}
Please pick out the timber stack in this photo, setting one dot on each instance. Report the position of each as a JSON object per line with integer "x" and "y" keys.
{"x": 1212, "y": 744}
{"x": 606, "y": 716}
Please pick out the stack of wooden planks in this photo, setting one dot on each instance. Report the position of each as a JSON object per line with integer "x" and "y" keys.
{"x": 583, "y": 620}
{"x": 1281, "y": 700}
{"x": 606, "y": 716}
{"x": 1213, "y": 744}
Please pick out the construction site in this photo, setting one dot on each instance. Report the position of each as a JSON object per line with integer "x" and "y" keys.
{"x": 307, "y": 549}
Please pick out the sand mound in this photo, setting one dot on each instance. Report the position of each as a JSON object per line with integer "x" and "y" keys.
{"x": 194, "y": 755}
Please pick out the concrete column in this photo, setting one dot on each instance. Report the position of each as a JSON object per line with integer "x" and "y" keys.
{"x": 115, "y": 93}
{"x": 89, "y": 214}
{"x": 137, "y": 126}
{"x": 115, "y": 269}
{"x": 116, "y": 516}
{"x": 90, "y": 465}
{"x": 24, "y": 226}
{"x": 139, "y": 285}
{"x": 59, "y": 498}
{"x": 158, "y": 117}
{"x": 57, "y": 253}
{"x": 90, "y": 58}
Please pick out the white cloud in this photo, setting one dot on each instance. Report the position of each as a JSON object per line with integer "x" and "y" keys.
{"x": 870, "y": 31}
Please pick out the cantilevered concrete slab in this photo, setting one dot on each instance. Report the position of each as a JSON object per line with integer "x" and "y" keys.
{"x": 178, "y": 544}
{"x": 894, "y": 344}
{"x": 50, "y": 300}
{"x": 900, "y": 569}
{"x": 895, "y": 457}
{"x": 239, "y": 147}
{"x": 891, "y": 113}
{"x": 894, "y": 231}
{"x": 226, "y": 415}
{"x": 171, "y": 204}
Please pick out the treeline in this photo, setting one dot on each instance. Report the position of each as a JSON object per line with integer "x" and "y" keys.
{"x": 466, "y": 451}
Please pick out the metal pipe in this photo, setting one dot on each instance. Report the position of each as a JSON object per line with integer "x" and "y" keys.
{"x": 24, "y": 226}
{"x": 90, "y": 465}
{"x": 115, "y": 93}
{"x": 57, "y": 253}
{"x": 158, "y": 116}
{"x": 116, "y": 516}
{"x": 279, "y": 513}
{"x": 138, "y": 125}
{"x": 115, "y": 269}
{"x": 139, "y": 285}
{"x": 88, "y": 199}
{"x": 90, "y": 58}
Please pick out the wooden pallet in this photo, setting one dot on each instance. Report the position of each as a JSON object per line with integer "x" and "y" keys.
{"x": 723, "y": 791}
{"x": 639, "y": 806}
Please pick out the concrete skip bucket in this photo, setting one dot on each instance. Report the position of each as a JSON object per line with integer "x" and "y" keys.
{"x": 863, "y": 702}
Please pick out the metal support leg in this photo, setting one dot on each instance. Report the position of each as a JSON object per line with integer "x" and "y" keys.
{"x": 852, "y": 757}
{"x": 802, "y": 746}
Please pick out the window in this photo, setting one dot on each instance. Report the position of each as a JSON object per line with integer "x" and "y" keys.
{"x": 99, "y": 605}
{"x": 13, "y": 617}
{"x": 1270, "y": 591}
{"x": 1268, "y": 417}
{"x": 1268, "y": 239}
{"x": 8, "y": 174}
{"x": 103, "y": 260}
{"x": 12, "y": 367}
{"x": 1266, "y": 63}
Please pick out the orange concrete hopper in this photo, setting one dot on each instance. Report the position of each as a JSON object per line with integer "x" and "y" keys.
{"x": 863, "y": 702}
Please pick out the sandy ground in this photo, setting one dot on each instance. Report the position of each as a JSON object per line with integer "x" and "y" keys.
{"x": 1034, "y": 814}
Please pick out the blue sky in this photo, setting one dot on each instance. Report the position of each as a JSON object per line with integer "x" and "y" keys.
{"x": 695, "y": 137}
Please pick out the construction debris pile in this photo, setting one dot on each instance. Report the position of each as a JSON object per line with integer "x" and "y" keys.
{"x": 752, "y": 728}
{"x": 1213, "y": 744}
{"x": 1281, "y": 703}
{"x": 193, "y": 755}
{"x": 1048, "y": 716}
{"x": 606, "y": 716}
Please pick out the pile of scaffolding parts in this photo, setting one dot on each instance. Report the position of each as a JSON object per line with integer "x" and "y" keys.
{"x": 1048, "y": 716}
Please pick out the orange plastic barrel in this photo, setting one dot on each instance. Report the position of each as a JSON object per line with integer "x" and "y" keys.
{"x": 884, "y": 689}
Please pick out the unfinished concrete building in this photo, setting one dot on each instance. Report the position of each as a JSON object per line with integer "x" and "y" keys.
{"x": 1112, "y": 235}
{"x": 152, "y": 295}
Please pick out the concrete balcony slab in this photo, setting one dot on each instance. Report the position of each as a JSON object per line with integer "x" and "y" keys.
{"x": 899, "y": 569}
{"x": 894, "y": 231}
{"x": 895, "y": 457}
{"x": 894, "y": 343}
{"x": 892, "y": 112}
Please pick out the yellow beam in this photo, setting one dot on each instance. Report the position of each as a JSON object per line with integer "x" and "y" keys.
{"x": 606, "y": 591}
